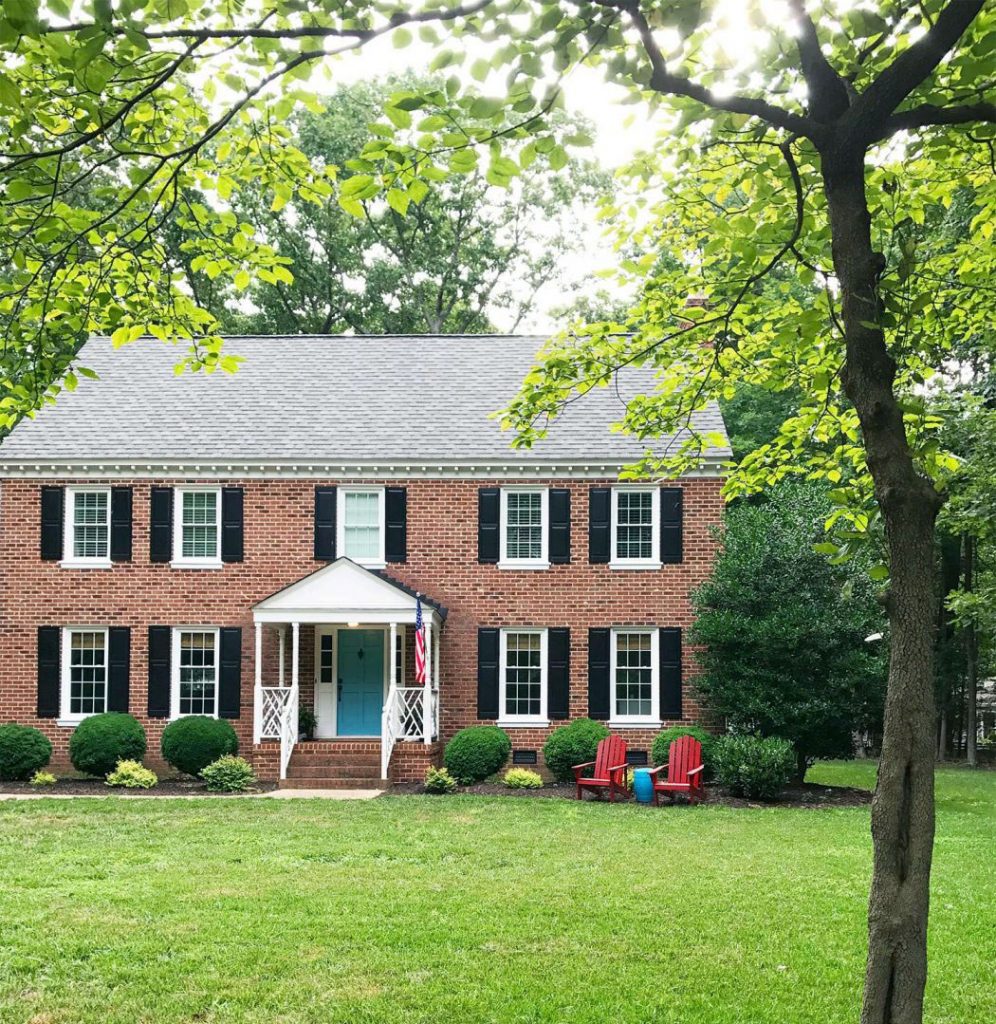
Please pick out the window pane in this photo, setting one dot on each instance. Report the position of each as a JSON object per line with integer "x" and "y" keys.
{"x": 361, "y": 525}
{"x": 326, "y": 666}
{"x": 523, "y": 674}
{"x": 87, "y": 673}
{"x": 198, "y": 676}
{"x": 634, "y": 524}
{"x": 634, "y": 675}
{"x": 90, "y": 524}
{"x": 200, "y": 524}
{"x": 524, "y": 525}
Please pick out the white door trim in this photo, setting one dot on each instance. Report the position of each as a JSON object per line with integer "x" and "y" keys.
{"x": 334, "y": 631}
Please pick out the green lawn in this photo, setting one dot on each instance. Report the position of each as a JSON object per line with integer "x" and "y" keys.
{"x": 469, "y": 909}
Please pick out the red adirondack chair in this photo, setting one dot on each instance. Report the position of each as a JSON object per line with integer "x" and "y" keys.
{"x": 610, "y": 769}
{"x": 684, "y": 771}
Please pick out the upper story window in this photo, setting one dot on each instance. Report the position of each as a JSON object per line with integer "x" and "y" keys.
{"x": 524, "y": 516}
{"x": 87, "y": 526}
{"x": 636, "y": 527}
{"x": 197, "y": 533}
{"x": 84, "y": 673}
{"x": 635, "y": 676}
{"x": 523, "y": 677}
{"x": 195, "y": 683}
{"x": 361, "y": 524}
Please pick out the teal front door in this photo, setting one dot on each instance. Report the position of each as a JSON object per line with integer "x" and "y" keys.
{"x": 360, "y": 682}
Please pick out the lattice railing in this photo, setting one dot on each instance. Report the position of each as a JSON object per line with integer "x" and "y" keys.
{"x": 275, "y": 699}
{"x": 288, "y": 731}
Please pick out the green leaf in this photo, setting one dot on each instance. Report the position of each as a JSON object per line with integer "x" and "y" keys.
{"x": 401, "y": 38}
{"x": 398, "y": 200}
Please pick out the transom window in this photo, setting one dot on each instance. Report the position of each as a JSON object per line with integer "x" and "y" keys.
{"x": 523, "y": 526}
{"x": 198, "y": 519}
{"x": 361, "y": 518}
{"x": 88, "y": 524}
{"x": 197, "y": 672}
{"x": 523, "y": 659}
{"x": 635, "y": 533}
{"x": 634, "y": 682}
{"x": 84, "y": 672}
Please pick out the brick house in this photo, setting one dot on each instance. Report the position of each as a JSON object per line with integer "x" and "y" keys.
{"x": 253, "y": 544}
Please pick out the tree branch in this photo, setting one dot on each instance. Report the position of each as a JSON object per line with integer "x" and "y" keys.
{"x": 928, "y": 114}
{"x": 828, "y": 96}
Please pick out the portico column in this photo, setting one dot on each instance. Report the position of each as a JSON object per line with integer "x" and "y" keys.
{"x": 295, "y": 664}
{"x": 435, "y": 682}
{"x": 427, "y": 689}
{"x": 257, "y": 698}
{"x": 393, "y": 678}
{"x": 283, "y": 645}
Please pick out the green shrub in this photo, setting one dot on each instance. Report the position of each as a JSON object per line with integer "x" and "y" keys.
{"x": 100, "y": 741}
{"x": 663, "y": 741}
{"x": 43, "y": 779}
{"x": 475, "y": 753}
{"x": 132, "y": 775}
{"x": 229, "y": 774}
{"x": 23, "y": 751}
{"x": 439, "y": 781}
{"x": 574, "y": 744}
{"x": 190, "y": 744}
{"x": 752, "y": 766}
{"x": 522, "y": 778}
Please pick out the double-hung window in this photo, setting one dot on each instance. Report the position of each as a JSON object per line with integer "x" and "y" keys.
{"x": 523, "y": 676}
{"x": 524, "y": 517}
{"x": 635, "y": 678}
{"x": 195, "y": 671}
{"x": 636, "y": 527}
{"x": 84, "y": 673}
{"x": 361, "y": 525}
{"x": 87, "y": 526}
{"x": 197, "y": 527}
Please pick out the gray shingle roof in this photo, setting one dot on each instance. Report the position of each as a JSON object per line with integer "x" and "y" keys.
{"x": 324, "y": 399}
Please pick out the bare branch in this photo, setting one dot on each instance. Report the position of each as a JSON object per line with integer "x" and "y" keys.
{"x": 828, "y": 96}
{"x": 928, "y": 114}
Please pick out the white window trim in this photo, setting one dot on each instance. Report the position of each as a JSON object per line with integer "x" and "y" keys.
{"x": 69, "y": 560}
{"x": 543, "y": 562}
{"x": 179, "y": 561}
{"x": 66, "y": 718}
{"x": 380, "y": 561}
{"x": 174, "y": 682}
{"x": 505, "y": 720}
{"x": 654, "y": 718}
{"x": 654, "y": 562}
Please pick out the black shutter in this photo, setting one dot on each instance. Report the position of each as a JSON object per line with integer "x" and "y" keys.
{"x": 232, "y": 547}
{"x": 161, "y": 524}
{"x": 599, "y": 524}
{"x": 558, "y": 672}
{"x": 325, "y": 524}
{"x": 487, "y": 673}
{"x": 488, "y": 514}
{"x": 671, "y": 524}
{"x": 230, "y": 676}
{"x": 160, "y": 641}
{"x": 118, "y": 668}
{"x": 48, "y": 671}
{"x": 52, "y": 508}
{"x": 670, "y": 644}
{"x": 560, "y": 525}
{"x": 120, "y": 524}
{"x": 396, "y": 524}
{"x": 599, "y": 674}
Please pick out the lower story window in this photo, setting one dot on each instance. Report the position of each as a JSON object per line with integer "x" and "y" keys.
{"x": 523, "y": 667}
{"x": 87, "y": 672}
{"x": 634, "y": 675}
{"x": 198, "y": 672}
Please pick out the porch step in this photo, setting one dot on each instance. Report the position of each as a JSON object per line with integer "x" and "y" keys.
{"x": 320, "y": 757}
{"x": 327, "y": 783}
{"x": 333, "y": 771}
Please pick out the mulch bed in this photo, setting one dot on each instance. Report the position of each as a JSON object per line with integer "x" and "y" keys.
{"x": 97, "y": 787}
{"x": 807, "y": 795}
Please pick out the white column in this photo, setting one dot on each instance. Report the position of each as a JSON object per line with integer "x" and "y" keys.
{"x": 257, "y": 701}
{"x": 427, "y": 689}
{"x": 295, "y": 665}
{"x": 392, "y": 679}
{"x": 435, "y": 680}
{"x": 283, "y": 646}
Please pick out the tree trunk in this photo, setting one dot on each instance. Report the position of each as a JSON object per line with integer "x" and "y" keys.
{"x": 903, "y": 806}
{"x": 971, "y": 663}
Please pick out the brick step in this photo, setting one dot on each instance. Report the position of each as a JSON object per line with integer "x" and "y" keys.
{"x": 339, "y": 746}
{"x": 335, "y": 784}
{"x": 320, "y": 757}
{"x": 333, "y": 771}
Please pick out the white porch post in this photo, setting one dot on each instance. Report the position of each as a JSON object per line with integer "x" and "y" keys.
{"x": 295, "y": 666}
{"x": 435, "y": 682}
{"x": 283, "y": 646}
{"x": 257, "y": 699}
{"x": 427, "y": 689}
{"x": 393, "y": 678}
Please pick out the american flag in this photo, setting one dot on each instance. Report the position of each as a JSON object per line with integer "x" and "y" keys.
{"x": 419, "y": 644}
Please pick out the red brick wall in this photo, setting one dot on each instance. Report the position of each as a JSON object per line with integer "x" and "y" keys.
{"x": 442, "y": 562}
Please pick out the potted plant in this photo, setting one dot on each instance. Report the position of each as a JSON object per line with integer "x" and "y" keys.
{"x": 306, "y": 723}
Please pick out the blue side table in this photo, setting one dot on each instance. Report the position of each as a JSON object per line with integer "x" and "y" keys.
{"x": 643, "y": 786}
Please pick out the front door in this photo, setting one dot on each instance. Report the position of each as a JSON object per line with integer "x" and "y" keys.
{"x": 360, "y": 682}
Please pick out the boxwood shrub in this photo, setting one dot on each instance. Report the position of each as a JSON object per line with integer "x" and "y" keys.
{"x": 23, "y": 751}
{"x": 100, "y": 741}
{"x": 190, "y": 744}
{"x": 229, "y": 774}
{"x": 475, "y": 753}
{"x": 752, "y": 766}
{"x": 574, "y": 744}
{"x": 663, "y": 741}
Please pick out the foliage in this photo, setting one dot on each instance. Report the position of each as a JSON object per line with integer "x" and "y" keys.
{"x": 784, "y": 630}
{"x": 132, "y": 775}
{"x": 753, "y": 766}
{"x": 43, "y": 779}
{"x": 306, "y": 721}
{"x": 191, "y": 743}
{"x": 99, "y": 742}
{"x": 229, "y": 774}
{"x": 475, "y": 753}
{"x": 522, "y": 778}
{"x": 23, "y": 751}
{"x": 572, "y": 744}
{"x": 659, "y": 751}
{"x": 438, "y": 781}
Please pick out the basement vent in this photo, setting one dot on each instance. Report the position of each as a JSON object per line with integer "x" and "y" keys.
{"x": 523, "y": 757}
{"x": 637, "y": 758}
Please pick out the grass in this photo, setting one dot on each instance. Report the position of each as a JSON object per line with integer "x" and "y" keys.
{"x": 471, "y": 909}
